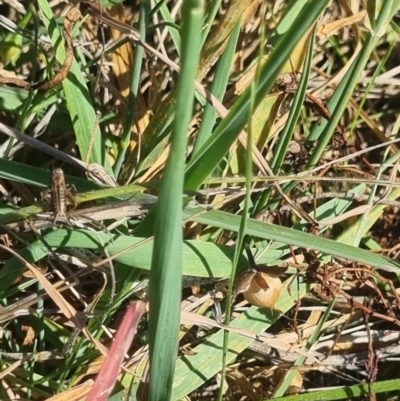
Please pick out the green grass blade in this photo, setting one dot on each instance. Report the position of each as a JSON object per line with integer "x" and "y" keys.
{"x": 293, "y": 237}
{"x": 200, "y": 259}
{"x": 213, "y": 8}
{"x": 193, "y": 370}
{"x": 348, "y": 392}
{"x": 166, "y": 266}
{"x": 207, "y": 355}
{"x": 167, "y": 17}
{"x": 286, "y": 135}
{"x": 210, "y": 155}
{"x": 156, "y": 134}
{"x": 280, "y": 152}
{"x": 339, "y": 100}
{"x": 238, "y": 248}
{"x": 218, "y": 88}
{"x": 81, "y": 110}
{"x": 219, "y": 34}
{"x": 14, "y": 171}
{"x": 134, "y": 87}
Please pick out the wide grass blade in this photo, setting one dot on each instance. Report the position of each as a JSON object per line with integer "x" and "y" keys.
{"x": 81, "y": 110}
{"x": 166, "y": 266}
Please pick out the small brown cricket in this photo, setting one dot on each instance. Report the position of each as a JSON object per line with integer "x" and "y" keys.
{"x": 61, "y": 195}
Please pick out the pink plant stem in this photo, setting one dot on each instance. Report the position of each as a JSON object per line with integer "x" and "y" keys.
{"x": 108, "y": 374}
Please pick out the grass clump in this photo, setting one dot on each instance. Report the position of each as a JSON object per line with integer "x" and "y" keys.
{"x": 204, "y": 130}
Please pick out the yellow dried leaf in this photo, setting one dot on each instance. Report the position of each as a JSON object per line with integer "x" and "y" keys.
{"x": 29, "y": 336}
{"x": 325, "y": 31}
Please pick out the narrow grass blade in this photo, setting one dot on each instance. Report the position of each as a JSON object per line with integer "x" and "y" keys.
{"x": 167, "y": 17}
{"x": 212, "y": 152}
{"x": 340, "y": 98}
{"x": 343, "y": 393}
{"x": 218, "y": 88}
{"x": 134, "y": 87}
{"x": 238, "y": 250}
{"x": 14, "y": 171}
{"x": 286, "y": 135}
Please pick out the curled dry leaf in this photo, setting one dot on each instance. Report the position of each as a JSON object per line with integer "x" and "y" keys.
{"x": 263, "y": 290}
{"x": 29, "y": 336}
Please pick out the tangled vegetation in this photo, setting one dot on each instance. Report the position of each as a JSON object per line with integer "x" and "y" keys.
{"x": 199, "y": 200}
